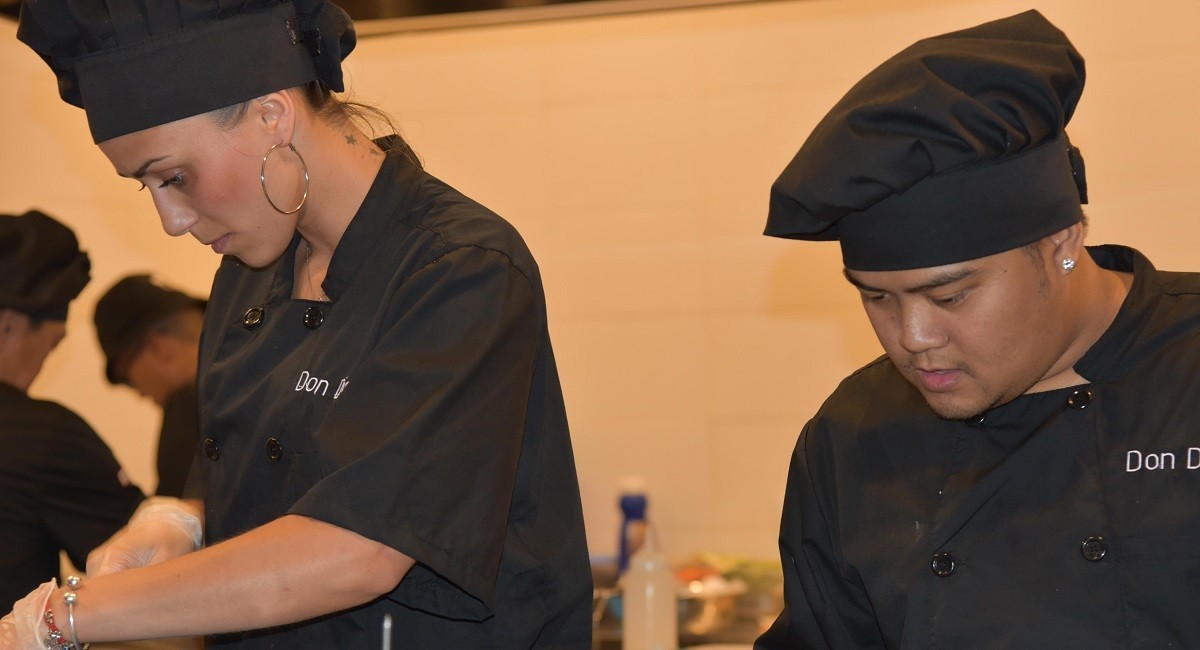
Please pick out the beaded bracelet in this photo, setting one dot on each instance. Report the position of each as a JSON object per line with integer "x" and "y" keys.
{"x": 55, "y": 639}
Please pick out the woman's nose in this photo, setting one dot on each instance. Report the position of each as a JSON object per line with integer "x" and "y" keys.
{"x": 176, "y": 220}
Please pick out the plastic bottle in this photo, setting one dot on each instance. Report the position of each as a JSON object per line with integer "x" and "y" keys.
{"x": 650, "y": 611}
{"x": 633, "y": 520}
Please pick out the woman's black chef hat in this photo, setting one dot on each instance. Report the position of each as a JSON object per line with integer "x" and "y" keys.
{"x": 41, "y": 266}
{"x": 951, "y": 150}
{"x": 135, "y": 64}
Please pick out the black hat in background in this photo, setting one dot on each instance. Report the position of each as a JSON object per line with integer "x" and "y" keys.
{"x": 41, "y": 267}
{"x": 952, "y": 150}
{"x": 127, "y": 312}
{"x": 135, "y": 64}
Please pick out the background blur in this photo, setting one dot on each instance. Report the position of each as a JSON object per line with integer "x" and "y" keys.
{"x": 634, "y": 152}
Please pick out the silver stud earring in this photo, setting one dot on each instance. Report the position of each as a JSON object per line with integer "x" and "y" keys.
{"x": 1068, "y": 264}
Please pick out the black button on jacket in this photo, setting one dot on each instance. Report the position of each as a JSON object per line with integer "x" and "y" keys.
{"x": 1073, "y": 516}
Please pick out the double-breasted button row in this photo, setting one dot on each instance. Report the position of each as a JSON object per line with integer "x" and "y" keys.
{"x": 213, "y": 450}
{"x": 1093, "y": 548}
{"x": 313, "y": 317}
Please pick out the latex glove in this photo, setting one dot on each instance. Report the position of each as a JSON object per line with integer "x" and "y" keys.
{"x": 23, "y": 628}
{"x": 162, "y": 528}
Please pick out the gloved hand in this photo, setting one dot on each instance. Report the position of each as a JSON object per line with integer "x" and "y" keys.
{"x": 161, "y": 529}
{"x": 23, "y": 628}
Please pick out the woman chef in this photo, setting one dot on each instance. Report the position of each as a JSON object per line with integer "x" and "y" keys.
{"x": 382, "y": 425}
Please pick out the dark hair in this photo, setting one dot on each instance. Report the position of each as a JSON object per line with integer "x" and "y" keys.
{"x": 335, "y": 110}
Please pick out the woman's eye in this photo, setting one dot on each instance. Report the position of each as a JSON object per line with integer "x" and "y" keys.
{"x": 176, "y": 179}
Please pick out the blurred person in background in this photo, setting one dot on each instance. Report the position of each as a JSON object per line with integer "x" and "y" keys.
{"x": 61, "y": 489}
{"x": 1021, "y": 469}
{"x": 383, "y": 429}
{"x": 150, "y": 335}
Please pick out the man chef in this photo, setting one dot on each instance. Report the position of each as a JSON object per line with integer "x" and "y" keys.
{"x": 973, "y": 487}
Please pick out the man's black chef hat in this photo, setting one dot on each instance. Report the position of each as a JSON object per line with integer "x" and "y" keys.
{"x": 128, "y": 311}
{"x": 951, "y": 150}
{"x": 41, "y": 266}
{"x": 135, "y": 64}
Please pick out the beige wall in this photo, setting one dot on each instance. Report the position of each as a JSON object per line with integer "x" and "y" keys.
{"x": 635, "y": 153}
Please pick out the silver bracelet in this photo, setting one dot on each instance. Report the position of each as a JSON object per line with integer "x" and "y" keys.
{"x": 70, "y": 598}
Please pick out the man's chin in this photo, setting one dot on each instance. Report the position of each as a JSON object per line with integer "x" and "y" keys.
{"x": 949, "y": 408}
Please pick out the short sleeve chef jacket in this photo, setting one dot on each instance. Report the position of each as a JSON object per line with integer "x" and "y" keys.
{"x": 1063, "y": 519}
{"x": 420, "y": 407}
{"x": 61, "y": 489}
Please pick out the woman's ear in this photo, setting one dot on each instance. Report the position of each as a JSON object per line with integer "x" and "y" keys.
{"x": 276, "y": 115}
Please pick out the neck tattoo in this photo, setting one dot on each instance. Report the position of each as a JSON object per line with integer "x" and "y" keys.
{"x": 313, "y": 287}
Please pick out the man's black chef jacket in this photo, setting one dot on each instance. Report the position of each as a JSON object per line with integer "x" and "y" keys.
{"x": 1068, "y": 518}
{"x": 420, "y": 408}
{"x": 61, "y": 489}
{"x": 177, "y": 441}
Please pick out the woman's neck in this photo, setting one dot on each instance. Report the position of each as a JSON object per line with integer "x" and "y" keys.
{"x": 342, "y": 165}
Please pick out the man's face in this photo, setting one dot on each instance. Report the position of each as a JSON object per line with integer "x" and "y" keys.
{"x": 162, "y": 365}
{"x": 970, "y": 336}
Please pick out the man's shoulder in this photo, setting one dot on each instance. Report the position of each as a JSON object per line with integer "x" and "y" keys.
{"x": 1180, "y": 283}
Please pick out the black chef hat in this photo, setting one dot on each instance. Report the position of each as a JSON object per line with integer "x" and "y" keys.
{"x": 41, "y": 266}
{"x": 128, "y": 310}
{"x": 135, "y": 64}
{"x": 951, "y": 150}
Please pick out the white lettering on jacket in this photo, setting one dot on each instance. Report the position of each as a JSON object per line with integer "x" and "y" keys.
{"x": 1137, "y": 461}
{"x": 310, "y": 383}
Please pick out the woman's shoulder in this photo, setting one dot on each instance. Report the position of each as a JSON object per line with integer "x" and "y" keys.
{"x": 449, "y": 220}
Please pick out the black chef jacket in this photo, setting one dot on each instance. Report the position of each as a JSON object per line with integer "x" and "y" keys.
{"x": 177, "y": 442}
{"x": 60, "y": 490}
{"x": 420, "y": 408}
{"x": 1063, "y": 519}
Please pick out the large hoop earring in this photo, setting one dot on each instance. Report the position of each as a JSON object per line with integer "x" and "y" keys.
{"x": 262, "y": 177}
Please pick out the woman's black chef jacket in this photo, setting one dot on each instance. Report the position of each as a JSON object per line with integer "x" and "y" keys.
{"x": 61, "y": 489}
{"x": 420, "y": 408}
{"x": 1063, "y": 519}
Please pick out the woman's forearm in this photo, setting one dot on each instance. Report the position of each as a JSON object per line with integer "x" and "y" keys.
{"x": 289, "y": 570}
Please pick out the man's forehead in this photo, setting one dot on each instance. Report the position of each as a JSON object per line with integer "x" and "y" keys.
{"x": 913, "y": 280}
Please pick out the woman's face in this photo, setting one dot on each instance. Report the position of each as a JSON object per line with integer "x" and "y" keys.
{"x": 204, "y": 180}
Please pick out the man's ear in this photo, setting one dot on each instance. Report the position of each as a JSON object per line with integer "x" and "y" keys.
{"x": 1068, "y": 243}
{"x": 12, "y": 326}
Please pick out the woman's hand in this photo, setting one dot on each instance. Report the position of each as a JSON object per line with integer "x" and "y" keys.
{"x": 23, "y": 628}
{"x": 162, "y": 528}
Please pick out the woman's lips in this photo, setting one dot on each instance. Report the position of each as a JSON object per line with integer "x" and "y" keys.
{"x": 938, "y": 381}
{"x": 219, "y": 245}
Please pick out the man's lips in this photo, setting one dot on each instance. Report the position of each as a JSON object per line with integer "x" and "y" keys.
{"x": 938, "y": 380}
